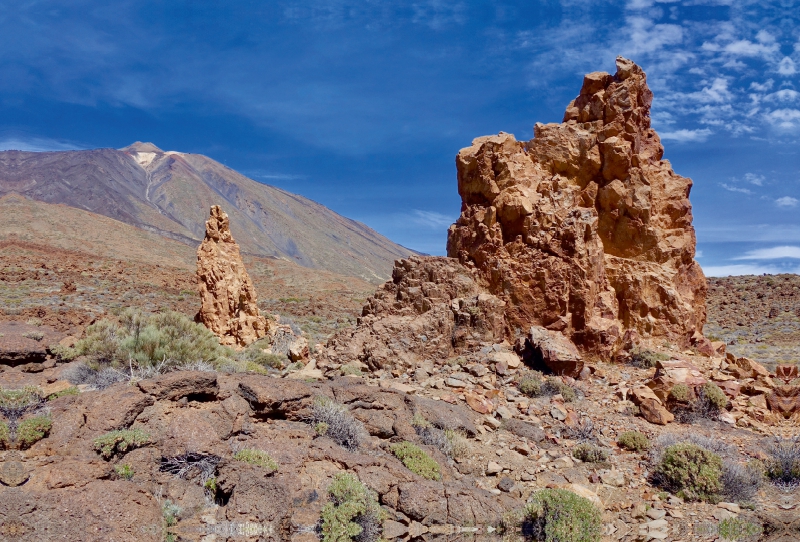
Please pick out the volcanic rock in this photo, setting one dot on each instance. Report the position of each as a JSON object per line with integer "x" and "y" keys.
{"x": 552, "y": 350}
{"x": 228, "y": 298}
{"x": 584, "y": 229}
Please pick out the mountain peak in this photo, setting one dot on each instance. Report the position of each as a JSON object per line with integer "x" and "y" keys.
{"x": 141, "y": 147}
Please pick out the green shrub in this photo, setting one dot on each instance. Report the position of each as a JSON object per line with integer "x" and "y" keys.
{"x": 255, "y": 353}
{"x": 5, "y": 435}
{"x": 530, "y": 384}
{"x": 352, "y": 512}
{"x": 34, "y": 321}
{"x": 418, "y": 420}
{"x": 646, "y": 359}
{"x": 124, "y": 471}
{"x": 714, "y": 396}
{"x": 692, "y": 472}
{"x": 589, "y": 453}
{"x": 171, "y": 512}
{"x": 417, "y": 460}
{"x": 169, "y": 339}
{"x": 73, "y": 390}
{"x": 342, "y": 427}
{"x": 554, "y": 385}
{"x": 782, "y": 466}
{"x": 459, "y": 444}
{"x": 20, "y": 399}
{"x": 34, "y": 335}
{"x": 259, "y": 458}
{"x": 33, "y": 429}
{"x": 634, "y": 441}
{"x": 210, "y": 485}
{"x": 121, "y": 441}
{"x": 735, "y": 529}
{"x": 680, "y": 393}
{"x": 350, "y": 370}
{"x": 321, "y": 428}
{"x": 558, "y": 515}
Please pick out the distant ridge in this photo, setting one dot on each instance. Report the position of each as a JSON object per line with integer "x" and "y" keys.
{"x": 170, "y": 193}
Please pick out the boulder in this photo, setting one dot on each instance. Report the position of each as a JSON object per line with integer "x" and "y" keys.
{"x": 584, "y": 229}
{"x": 228, "y": 304}
{"x": 543, "y": 348}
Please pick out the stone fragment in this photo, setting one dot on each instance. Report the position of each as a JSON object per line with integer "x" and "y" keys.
{"x": 393, "y": 529}
{"x": 614, "y": 478}
{"x": 493, "y": 468}
{"x": 505, "y": 484}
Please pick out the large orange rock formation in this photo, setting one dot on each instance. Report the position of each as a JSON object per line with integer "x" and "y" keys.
{"x": 228, "y": 298}
{"x": 584, "y": 229}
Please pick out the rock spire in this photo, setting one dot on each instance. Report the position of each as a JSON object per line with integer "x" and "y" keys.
{"x": 227, "y": 295}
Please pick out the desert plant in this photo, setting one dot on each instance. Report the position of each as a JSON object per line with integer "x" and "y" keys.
{"x": 120, "y": 441}
{"x": 741, "y": 482}
{"x": 99, "y": 377}
{"x": 255, "y": 457}
{"x": 782, "y": 466}
{"x": 534, "y": 384}
{"x": 5, "y": 435}
{"x": 680, "y": 393}
{"x": 124, "y": 471}
{"x": 634, "y": 441}
{"x": 582, "y": 431}
{"x": 589, "y": 453}
{"x": 190, "y": 466}
{"x": 692, "y": 472}
{"x": 342, "y": 427}
{"x": 170, "y": 511}
{"x": 713, "y": 397}
{"x": 735, "y": 529}
{"x": 459, "y": 444}
{"x": 32, "y": 430}
{"x": 258, "y": 353}
{"x": 34, "y": 335}
{"x": 558, "y": 515}
{"x": 34, "y": 321}
{"x": 352, "y": 513}
{"x": 210, "y": 485}
{"x": 646, "y": 359}
{"x": 553, "y": 385}
{"x": 72, "y": 390}
{"x": 350, "y": 370}
{"x": 417, "y": 460}
{"x": 530, "y": 384}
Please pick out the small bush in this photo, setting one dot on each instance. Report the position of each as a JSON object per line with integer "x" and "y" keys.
{"x": 783, "y": 464}
{"x": 459, "y": 444}
{"x": 554, "y": 385}
{"x": 692, "y": 472}
{"x": 734, "y": 529}
{"x": 11, "y": 400}
{"x": 350, "y": 370}
{"x": 342, "y": 428}
{"x": 255, "y": 457}
{"x": 124, "y": 471}
{"x": 5, "y": 435}
{"x": 210, "y": 485}
{"x": 558, "y": 515}
{"x": 588, "y": 453}
{"x": 418, "y": 420}
{"x": 170, "y": 512}
{"x": 741, "y": 482}
{"x": 121, "y": 441}
{"x": 531, "y": 385}
{"x": 713, "y": 396}
{"x": 582, "y": 432}
{"x": 680, "y": 393}
{"x": 73, "y": 390}
{"x": 191, "y": 465}
{"x": 321, "y": 428}
{"x": 646, "y": 359}
{"x": 97, "y": 377}
{"x": 352, "y": 513}
{"x": 255, "y": 353}
{"x": 33, "y": 429}
{"x": 417, "y": 460}
{"x": 34, "y": 321}
{"x": 634, "y": 441}
{"x": 34, "y": 335}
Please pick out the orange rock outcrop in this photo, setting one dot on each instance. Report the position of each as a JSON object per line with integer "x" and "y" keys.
{"x": 227, "y": 295}
{"x": 584, "y": 229}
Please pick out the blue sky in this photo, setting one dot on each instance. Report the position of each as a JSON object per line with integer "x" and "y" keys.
{"x": 363, "y": 105}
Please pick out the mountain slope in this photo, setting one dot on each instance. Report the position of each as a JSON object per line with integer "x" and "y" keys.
{"x": 169, "y": 193}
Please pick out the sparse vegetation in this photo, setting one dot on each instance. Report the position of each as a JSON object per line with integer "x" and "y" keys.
{"x": 680, "y": 393}
{"x": 417, "y": 460}
{"x": 32, "y": 430}
{"x": 121, "y": 440}
{"x": 342, "y": 427}
{"x": 530, "y": 384}
{"x": 258, "y": 354}
{"x": 124, "y": 471}
{"x": 350, "y": 370}
{"x": 534, "y": 384}
{"x": 646, "y": 359}
{"x": 34, "y": 321}
{"x": 170, "y": 512}
{"x": 451, "y": 442}
{"x": 741, "y": 482}
{"x": 255, "y": 457}
{"x": 713, "y": 397}
{"x": 73, "y": 390}
{"x": 558, "y": 515}
{"x": 783, "y": 464}
{"x": 34, "y": 335}
{"x": 634, "y": 441}
{"x": 200, "y": 467}
{"x": 5, "y": 435}
{"x": 589, "y": 453}
{"x": 352, "y": 513}
{"x": 736, "y": 529}
{"x": 691, "y": 472}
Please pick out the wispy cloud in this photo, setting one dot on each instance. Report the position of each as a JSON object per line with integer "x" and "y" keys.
{"x": 37, "y": 144}
{"x": 687, "y": 136}
{"x": 431, "y": 219}
{"x": 773, "y": 253}
{"x": 732, "y": 188}
{"x": 787, "y": 201}
{"x": 752, "y": 178}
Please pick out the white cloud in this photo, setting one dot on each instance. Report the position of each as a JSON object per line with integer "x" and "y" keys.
{"x": 752, "y": 178}
{"x": 784, "y": 95}
{"x": 37, "y": 144}
{"x": 687, "y": 136}
{"x": 717, "y": 92}
{"x": 774, "y": 253}
{"x": 783, "y": 119}
{"x": 787, "y": 201}
{"x": 732, "y": 188}
{"x": 786, "y": 66}
{"x": 762, "y": 87}
{"x": 431, "y": 219}
{"x": 698, "y": 254}
{"x": 744, "y": 269}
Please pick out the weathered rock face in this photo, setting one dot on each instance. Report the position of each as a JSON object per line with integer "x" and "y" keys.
{"x": 584, "y": 229}
{"x": 432, "y": 308}
{"x": 227, "y": 295}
